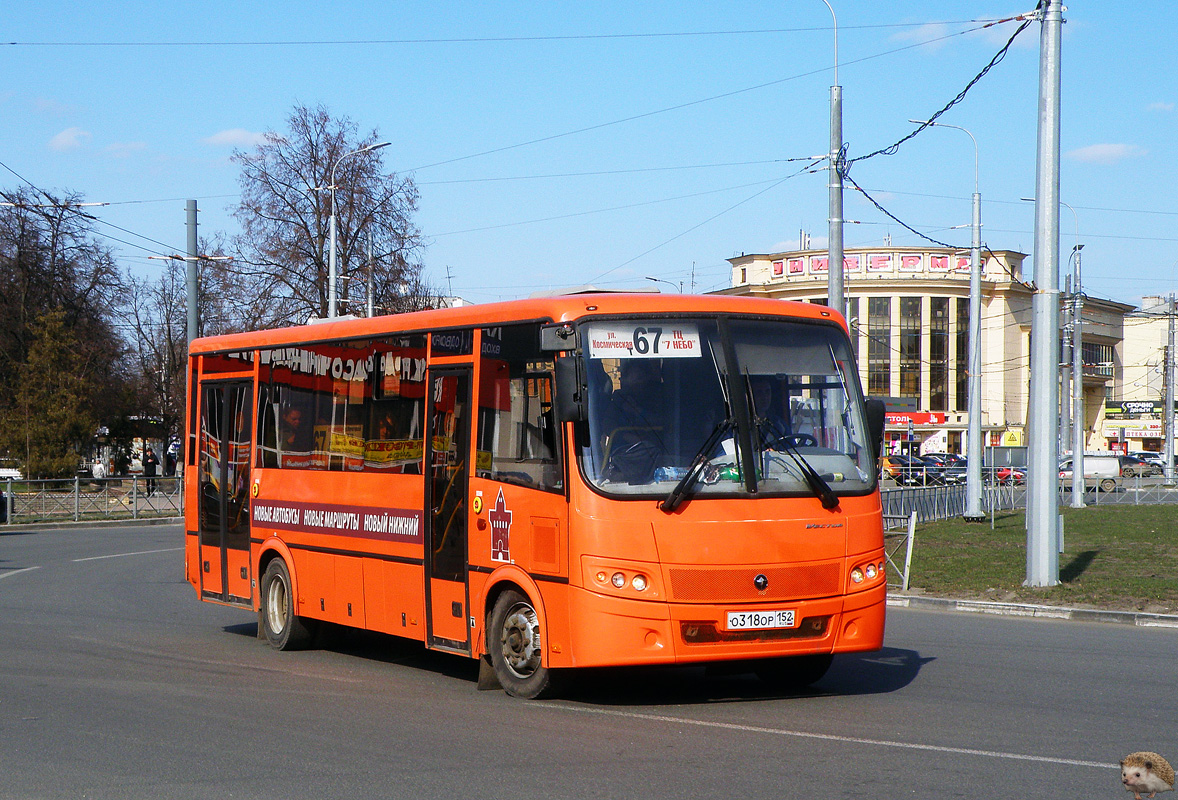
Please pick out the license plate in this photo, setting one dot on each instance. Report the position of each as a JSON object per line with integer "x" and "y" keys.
{"x": 760, "y": 620}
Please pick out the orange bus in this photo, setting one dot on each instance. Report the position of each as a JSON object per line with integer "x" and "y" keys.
{"x": 575, "y": 481}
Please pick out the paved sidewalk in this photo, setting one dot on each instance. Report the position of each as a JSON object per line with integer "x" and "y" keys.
{"x": 17, "y": 527}
{"x": 1138, "y": 618}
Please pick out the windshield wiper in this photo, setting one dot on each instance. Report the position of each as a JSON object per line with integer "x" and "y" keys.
{"x": 698, "y": 463}
{"x": 816, "y": 482}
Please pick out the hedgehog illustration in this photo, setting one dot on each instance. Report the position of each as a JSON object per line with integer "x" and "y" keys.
{"x": 1146, "y": 773}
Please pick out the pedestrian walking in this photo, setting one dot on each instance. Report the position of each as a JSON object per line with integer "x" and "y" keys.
{"x": 151, "y": 465}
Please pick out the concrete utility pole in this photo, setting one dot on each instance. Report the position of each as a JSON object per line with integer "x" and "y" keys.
{"x": 834, "y": 248}
{"x": 973, "y": 473}
{"x": 1043, "y": 413}
{"x": 191, "y": 268}
{"x": 1168, "y": 411}
{"x": 1078, "y": 482}
{"x": 973, "y": 467}
{"x": 1065, "y": 369}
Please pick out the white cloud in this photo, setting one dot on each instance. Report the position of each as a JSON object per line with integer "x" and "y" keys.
{"x": 50, "y": 107}
{"x": 125, "y": 149}
{"x": 69, "y": 139}
{"x": 1106, "y": 153}
{"x": 931, "y": 34}
{"x": 235, "y": 137}
{"x": 1160, "y": 106}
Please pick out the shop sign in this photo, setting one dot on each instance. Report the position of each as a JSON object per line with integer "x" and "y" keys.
{"x": 915, "y": 417}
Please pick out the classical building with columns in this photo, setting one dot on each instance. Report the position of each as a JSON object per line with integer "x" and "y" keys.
{"x": 908, "y": 309}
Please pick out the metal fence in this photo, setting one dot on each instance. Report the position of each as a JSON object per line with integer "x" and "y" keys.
{"x": 944, "y": 502}
{"x": 83, "y": 499}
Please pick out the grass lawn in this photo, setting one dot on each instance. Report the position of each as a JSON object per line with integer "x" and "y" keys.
{"x": 1115, "y": 557}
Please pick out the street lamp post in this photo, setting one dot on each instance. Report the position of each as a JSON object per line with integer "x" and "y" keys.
{"x": 660, "y": 280}
{"x": 973, "y": 473}
{"x": 331, "y": 268}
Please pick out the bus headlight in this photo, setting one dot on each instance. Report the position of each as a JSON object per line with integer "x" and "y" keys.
{"x": 866, "y": 574}
{"x": 612, "y": 576}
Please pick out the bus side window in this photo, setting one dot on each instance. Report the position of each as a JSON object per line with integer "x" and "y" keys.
{"x": 396, "y": 408}
{"x": 518, "y": 439}
{"x": 267, "y": 428}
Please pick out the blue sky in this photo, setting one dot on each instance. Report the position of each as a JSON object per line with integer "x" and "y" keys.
{"x": 604, "y": 142}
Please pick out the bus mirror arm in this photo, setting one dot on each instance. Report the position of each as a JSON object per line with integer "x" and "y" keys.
{"x": 876, "y": 413}
{"x": 570, "y": 390}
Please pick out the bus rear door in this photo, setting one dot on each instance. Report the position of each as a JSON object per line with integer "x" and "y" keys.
{"x": 224, "y": 464}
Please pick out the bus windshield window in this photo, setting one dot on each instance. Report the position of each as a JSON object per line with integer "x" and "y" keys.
{"x": 658, "y": 389}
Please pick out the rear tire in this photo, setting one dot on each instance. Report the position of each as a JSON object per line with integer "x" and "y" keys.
{"x": 516, "y": 644}
{"x": 283, "y": 629}
{"x": 793, "y": 672}
{"x": 1108, "y": 485}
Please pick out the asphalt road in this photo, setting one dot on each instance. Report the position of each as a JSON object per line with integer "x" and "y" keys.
{"x": 116, "y": 682}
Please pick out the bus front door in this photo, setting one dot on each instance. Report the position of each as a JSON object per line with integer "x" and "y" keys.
{"x": 224, "y": 464}
{"x": 447, "y": 456}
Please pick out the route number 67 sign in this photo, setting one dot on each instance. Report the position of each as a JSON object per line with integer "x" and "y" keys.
{"x": 661, "y": 339}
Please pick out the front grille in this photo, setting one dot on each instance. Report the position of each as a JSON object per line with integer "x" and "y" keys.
{"x": 735, "y": 584}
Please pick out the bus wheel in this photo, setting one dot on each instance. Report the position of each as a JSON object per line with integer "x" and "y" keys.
{"x": 794, "y": 672}
{"x": 283, "y": 629}
{"x": 516, "y": 647}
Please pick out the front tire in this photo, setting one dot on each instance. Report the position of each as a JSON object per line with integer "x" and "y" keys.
{"x": 283, "y": 629}
{"x": 516, "y": 644}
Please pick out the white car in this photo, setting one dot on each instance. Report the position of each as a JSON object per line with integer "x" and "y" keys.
{"x": 7, "y": 473}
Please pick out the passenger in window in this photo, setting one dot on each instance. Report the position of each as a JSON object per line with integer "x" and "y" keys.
{"x": 772, "y": 426}
{"x": 292, "y": 434}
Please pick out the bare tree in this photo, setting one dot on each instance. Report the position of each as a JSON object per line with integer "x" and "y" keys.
{"x": 156, "y": 314}
{"x": 281, "y": 258}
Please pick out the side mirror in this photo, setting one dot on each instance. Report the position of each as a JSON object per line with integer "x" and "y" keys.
{"x": 876, "y": 412}
{"x": 570, "y": 390}
{"x": 557, "y": 338}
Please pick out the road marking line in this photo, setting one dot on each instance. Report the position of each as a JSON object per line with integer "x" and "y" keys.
{"x": 17, "y": 572}
{"x": 832, "y": 737}
{"x": 120, "y": 555}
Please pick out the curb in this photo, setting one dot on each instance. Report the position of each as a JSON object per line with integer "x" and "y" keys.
{"x": 1137, "y": 618}
{"x": 83, "y": 524}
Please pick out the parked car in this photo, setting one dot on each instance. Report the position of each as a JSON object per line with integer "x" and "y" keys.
{"x": 953, "y": 466}
{"x": 1009, "y": 476}
{"x": 918, "y": 472}
{"x": 891, "y": 464}
{"x": 1134, "y": 467}
{"x": 944, "y": 459}
{"x": 7, "y": 473}
{"x": 1149, "y": 456}
{"x": 1104, "y": 472}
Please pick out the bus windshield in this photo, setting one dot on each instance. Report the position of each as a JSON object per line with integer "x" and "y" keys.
{"x": 723, "y": 394}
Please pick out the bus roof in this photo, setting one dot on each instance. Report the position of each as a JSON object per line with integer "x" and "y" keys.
{"x": 563, "y": 308}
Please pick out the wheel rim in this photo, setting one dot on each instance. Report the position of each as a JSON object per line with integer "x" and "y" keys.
{"x": 520, "y": 640}
{"x": 276, "y": 606}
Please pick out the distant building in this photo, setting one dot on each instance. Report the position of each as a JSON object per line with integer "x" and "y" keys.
{"x": 908, "y": 309}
